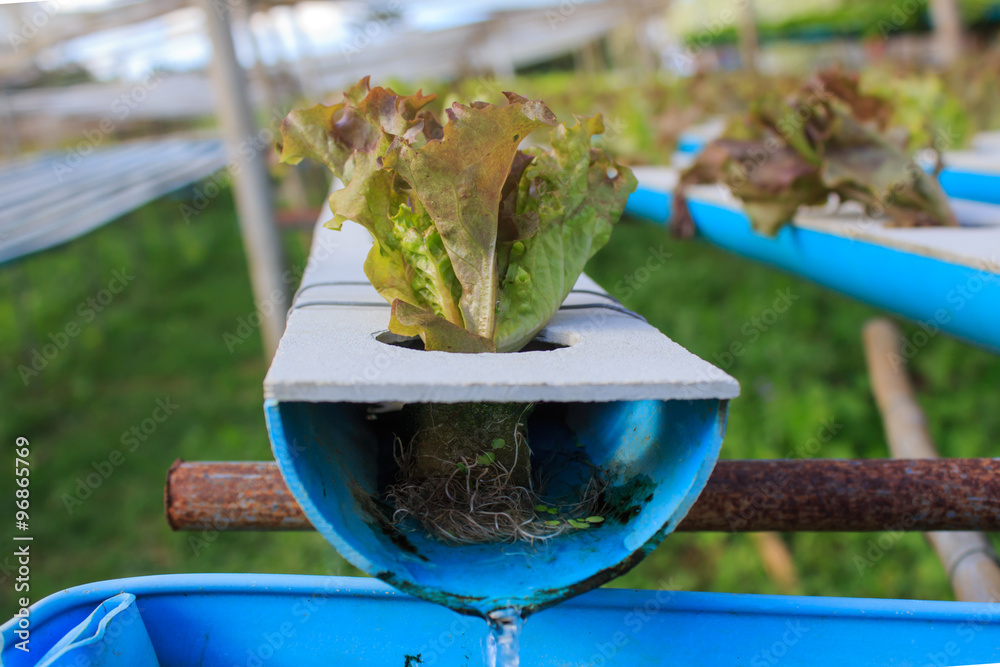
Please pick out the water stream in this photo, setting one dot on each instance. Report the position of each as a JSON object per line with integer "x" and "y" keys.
{"x": 505, "y": 633}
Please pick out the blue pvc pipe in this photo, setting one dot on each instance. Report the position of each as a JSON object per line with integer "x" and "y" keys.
{"x": 649, "y": 204}
{"x": 268, "y": 620}
{"x": 975, "y": 186}
{"x": 691, "y": 144}
{"x": 957, "y": 183}
{"x": 939, "y": 295}
{"x": 657, "y": 455}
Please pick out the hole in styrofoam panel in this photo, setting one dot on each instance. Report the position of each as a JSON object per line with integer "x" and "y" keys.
{"x": 539, "y": 343}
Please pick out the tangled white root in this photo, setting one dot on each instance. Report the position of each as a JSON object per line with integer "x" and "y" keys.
{"x": 479, "y": 503}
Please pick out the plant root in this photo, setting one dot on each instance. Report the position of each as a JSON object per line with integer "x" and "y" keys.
{"x": 479, "y": 502}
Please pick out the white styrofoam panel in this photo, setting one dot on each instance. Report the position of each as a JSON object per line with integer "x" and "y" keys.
{"x": 329, "y": 353}
{"x": 983, "y": 162}
{"x": 976, "y": 243}
{"x": 987, "y": 142}
{"x": 663, "y": 179}
{"x": 708, "y": 130}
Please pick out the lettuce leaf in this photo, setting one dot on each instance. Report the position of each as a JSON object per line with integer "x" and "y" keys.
{"x": 458, "y": 179}
{"x": 568, "y": 190}
{"x": 828, "y": 138}
{"x": 476, "y": 243}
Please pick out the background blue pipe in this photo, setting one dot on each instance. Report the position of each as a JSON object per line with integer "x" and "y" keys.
{"x": 939, "y": 295}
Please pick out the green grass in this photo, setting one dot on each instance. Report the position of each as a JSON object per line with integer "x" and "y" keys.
{"x": 162, "y": 337}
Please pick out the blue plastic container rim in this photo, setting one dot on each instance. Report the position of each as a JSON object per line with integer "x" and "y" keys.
{"x": 222, "y": 619}
{"x": 318, "y": 585}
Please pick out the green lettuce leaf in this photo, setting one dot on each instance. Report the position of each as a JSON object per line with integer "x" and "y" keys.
{"x": 476, "y": 243}
{"x": 568, "y": 190}
{"x": 932, "y": 116}
{"x": 436, "y": 332}
{"x": 431, "y": 277}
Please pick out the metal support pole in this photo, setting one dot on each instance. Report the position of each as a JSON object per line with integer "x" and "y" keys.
{"x": 251, "y": 183}
{"x": 967, "y": 556}
{"x": 292, "y": 184}
{"x": 741, "y": 496}
{"x": 8, "y": 128}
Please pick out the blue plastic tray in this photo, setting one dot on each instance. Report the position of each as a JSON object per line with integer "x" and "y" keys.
{"x": 245, "y": 620}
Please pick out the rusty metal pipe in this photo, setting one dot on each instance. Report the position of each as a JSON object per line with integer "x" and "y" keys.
{"x": 830, "y": 495}
{"x": 230, "y": 495}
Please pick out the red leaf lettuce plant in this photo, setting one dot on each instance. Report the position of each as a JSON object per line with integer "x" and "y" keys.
{"x": 827, "y": 138}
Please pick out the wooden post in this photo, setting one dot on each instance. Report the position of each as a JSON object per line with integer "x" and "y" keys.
{"x": 777, "y": 560}
{"x": 748, "y": 41}
{"x": 251, "y": 182}
{"x": 947, "y": 22}
{"x": 967, "y": 556}
{"x": 585, "y": 58}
